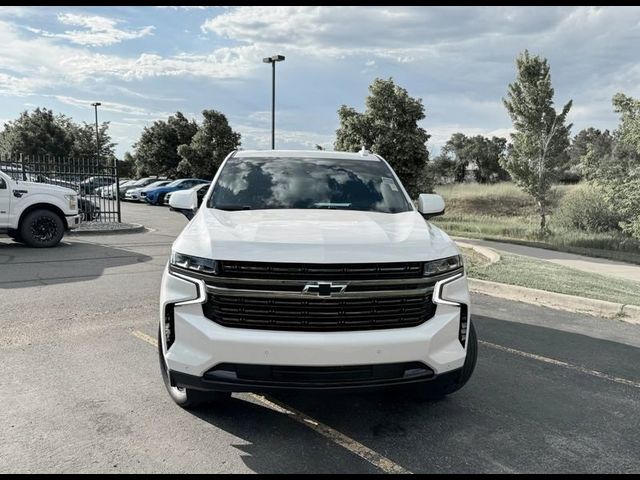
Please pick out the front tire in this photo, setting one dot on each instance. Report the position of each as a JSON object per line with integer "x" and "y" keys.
{"x": 42, "y": 229}
{"x": 187, "y": 398}
{"x": 440, "y": 387}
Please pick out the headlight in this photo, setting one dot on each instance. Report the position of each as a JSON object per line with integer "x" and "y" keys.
{"x": 444, "y": 265}
{"x": 73, "y": 201}
{"x": 197, "y": 264}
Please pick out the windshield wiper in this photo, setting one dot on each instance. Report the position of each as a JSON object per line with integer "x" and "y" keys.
{"x": 232, "y": 208}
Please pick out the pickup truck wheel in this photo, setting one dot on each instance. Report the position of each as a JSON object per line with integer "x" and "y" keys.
{"x": 42, "y": 229}
{"x": 442, "y": 387}
{"x": 187, "y": 398}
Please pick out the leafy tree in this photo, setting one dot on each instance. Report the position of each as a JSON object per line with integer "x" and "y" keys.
{"x": 488, "y": 155}
{"x": 442, "y": 168}
{"x": 455, "y": 149}
{"x": 539, "y": 153}
{"x": 480, "y": 151}
{"x": 389, "y": 127}
{"x": 620, "y": 177}
{"x": 590, "y": 151}
{"x": 214, "y": 140}
{"x": 157, "y": 149}
{"x": 127, "y": 166}
{"x": 39, "y": 132}
{"x": 484, "y": 153}
{"x": 84, "y": 144}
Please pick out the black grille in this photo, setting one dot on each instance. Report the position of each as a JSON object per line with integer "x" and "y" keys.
{"x": 313, "y": 314}
{"x": 311, "y": 271}
{"x": 319, "y": 376}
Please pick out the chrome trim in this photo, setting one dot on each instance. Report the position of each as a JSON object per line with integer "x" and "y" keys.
{"x": 437, "y": 293}
{"x": 200, "y": 288}
{"x": 239, "y": 292}
{"x": 302, "y": 282}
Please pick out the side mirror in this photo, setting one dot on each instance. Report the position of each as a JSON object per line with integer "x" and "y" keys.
{"x": 430, "y": 205}
{"x": 185, "y": 202}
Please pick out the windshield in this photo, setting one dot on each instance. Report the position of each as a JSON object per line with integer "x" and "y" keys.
{"x": 318, "y": 183}
{"x": 175, "y": 183}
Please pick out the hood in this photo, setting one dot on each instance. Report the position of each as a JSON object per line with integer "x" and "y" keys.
{"x": 35, "y": 187}
{"x": 313, "y": 236}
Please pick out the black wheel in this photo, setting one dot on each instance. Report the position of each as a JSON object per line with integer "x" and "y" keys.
{"x": 15, "y": 234}
{"x": 449, "y": 384}
{"x": 186, "y": 397}
{"x": 160, "y": 199}
{"x": 42, "y": 229}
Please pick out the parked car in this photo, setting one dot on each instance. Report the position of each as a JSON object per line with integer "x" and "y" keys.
{"x": 37, "y": 214}
{"x": 156, "y": 195}
{"x": 109, "y": 192}
{"x": 138, "y": 194}
{"x": 315, "y": 271}
{"x": 200, "y": 191}
{"x": 141, "y": 183}
{"x": 91, "y": 184}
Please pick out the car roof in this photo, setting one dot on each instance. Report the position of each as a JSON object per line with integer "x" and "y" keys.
{"x": 330, "y": 154}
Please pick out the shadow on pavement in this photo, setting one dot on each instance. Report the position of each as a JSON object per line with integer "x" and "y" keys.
{"x": 21, "y": 266}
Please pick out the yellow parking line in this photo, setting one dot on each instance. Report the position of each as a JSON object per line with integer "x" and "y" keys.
{"x": 376, "y": 459}
{"x": 145, "y": 338}
{"x": 560, "y": 363}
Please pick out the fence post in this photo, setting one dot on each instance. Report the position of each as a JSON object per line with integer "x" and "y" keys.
{"x": 117, "y": 190}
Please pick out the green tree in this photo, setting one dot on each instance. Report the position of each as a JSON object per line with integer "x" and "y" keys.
{"x": 389, "y": 127}
{"x": 620, "y": 177}
{"x": 539, "y": 145}
{"x": 442, "y": 168}
{"x": 127, "y": 166}
{"x": 590, "y": 151}
{"x": 156, "y": 152}
{"x": 39, "y": 132}
{"x": 214, "y": 140}
{"x": 455, "y": 149}
{"x": 484, "y": 153}
{"x": 84, "y": 143}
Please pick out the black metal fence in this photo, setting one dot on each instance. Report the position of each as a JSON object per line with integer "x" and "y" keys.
{"x": 95, "y": 180}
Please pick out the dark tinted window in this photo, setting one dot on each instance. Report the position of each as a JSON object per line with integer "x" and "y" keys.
{"x": 265, "y": 183}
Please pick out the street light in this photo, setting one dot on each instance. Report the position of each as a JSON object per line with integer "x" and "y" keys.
{"x": 272, "y": 60}
{"x": 96, "y": 105}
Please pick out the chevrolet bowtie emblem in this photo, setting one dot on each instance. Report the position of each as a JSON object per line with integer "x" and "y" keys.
{"x": 324, "y": 289}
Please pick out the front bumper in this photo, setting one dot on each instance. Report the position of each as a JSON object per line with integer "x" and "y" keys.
{"x": 73, "y": 221}
{"x": 201, "y": 346}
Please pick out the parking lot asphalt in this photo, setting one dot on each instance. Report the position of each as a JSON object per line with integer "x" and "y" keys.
{"x": 81, "y": 391}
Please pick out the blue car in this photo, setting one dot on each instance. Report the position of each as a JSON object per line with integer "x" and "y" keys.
{"x": 156, "y": 196}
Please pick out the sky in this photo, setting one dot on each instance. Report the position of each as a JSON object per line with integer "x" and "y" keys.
{"x": 145, "y": 63}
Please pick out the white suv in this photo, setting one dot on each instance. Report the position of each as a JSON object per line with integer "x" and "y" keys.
{"x": 312, "y": 270}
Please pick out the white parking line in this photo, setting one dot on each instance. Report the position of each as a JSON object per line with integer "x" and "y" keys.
{"x": 560, "y": 363}
{"x": 374, "y": 458}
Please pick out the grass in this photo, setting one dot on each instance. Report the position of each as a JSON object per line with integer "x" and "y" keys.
{"x": 548, "y": 276}
{"x": 503, "y": 212}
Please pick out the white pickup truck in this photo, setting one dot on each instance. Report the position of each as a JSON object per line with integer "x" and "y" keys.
{"x": 37, "y": 214}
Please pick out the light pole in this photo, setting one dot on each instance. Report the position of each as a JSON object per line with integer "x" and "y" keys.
{"x": 272, "y": 60}
{"x": 96, "y": 105}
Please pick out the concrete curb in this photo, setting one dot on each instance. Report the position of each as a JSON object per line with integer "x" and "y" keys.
{"x": 486, "y": 252}
{"x": 558, "y": 301}
{"x": 131, "y": 228}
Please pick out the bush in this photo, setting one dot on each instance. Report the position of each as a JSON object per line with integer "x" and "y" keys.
{"x": 584, "y": 208}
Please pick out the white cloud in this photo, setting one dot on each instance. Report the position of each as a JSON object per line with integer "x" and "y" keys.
{"x": 97, "y": 31}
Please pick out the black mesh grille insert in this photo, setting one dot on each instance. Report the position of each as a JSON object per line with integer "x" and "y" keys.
{"x": 315, "y": 314}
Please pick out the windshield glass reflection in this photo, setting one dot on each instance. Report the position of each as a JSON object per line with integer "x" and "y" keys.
{"x": 275, "y": 183}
